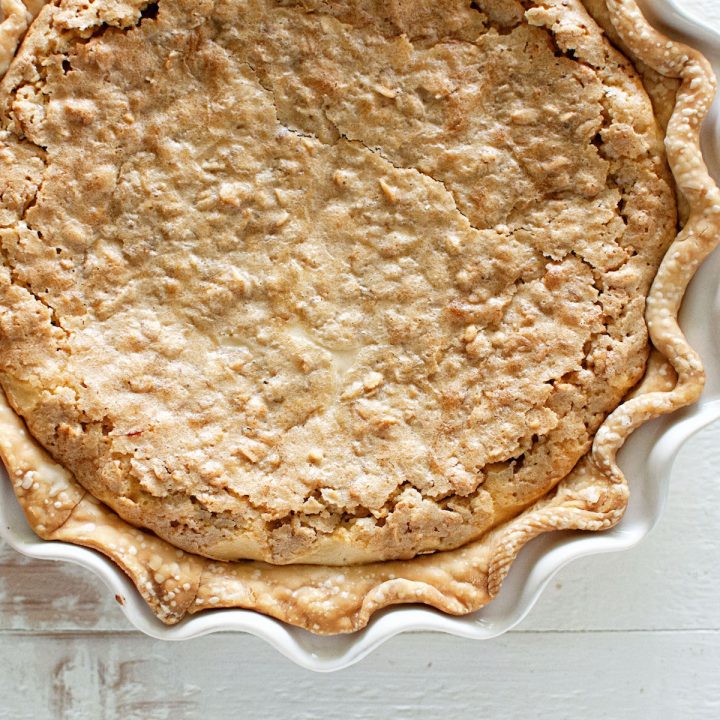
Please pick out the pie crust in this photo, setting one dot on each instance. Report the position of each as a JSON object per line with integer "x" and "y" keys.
{"x": 331, "y": 586}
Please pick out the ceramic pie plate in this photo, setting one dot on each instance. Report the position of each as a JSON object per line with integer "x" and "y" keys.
{"x": 646, "y": 460}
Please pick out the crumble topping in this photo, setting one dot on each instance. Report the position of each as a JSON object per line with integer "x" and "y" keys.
{"x": 342, "y": 282}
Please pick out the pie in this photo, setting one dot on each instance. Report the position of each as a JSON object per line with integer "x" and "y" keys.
{"x": 315, "y": 307}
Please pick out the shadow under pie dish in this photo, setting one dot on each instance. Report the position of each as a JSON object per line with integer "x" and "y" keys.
{"x": 313, "y": 308}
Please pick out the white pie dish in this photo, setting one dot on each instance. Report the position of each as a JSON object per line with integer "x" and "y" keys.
{"x": 646, "y": 461}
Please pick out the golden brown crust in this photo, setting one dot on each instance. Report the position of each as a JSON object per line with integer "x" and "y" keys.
{"x": 168, "y": 578}
{"x": 326, "y": 599}
{"x": 694, "y": 242}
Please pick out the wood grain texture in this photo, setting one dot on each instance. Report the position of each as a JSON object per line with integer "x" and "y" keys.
{"x": 634, "y": 635}
{"x": 616, "y": 675}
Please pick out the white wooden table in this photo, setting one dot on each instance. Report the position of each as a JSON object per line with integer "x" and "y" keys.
{"x": 631, "y": 636}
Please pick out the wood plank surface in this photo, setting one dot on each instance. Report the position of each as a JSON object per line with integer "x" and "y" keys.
{"x": 545, "y": 676}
